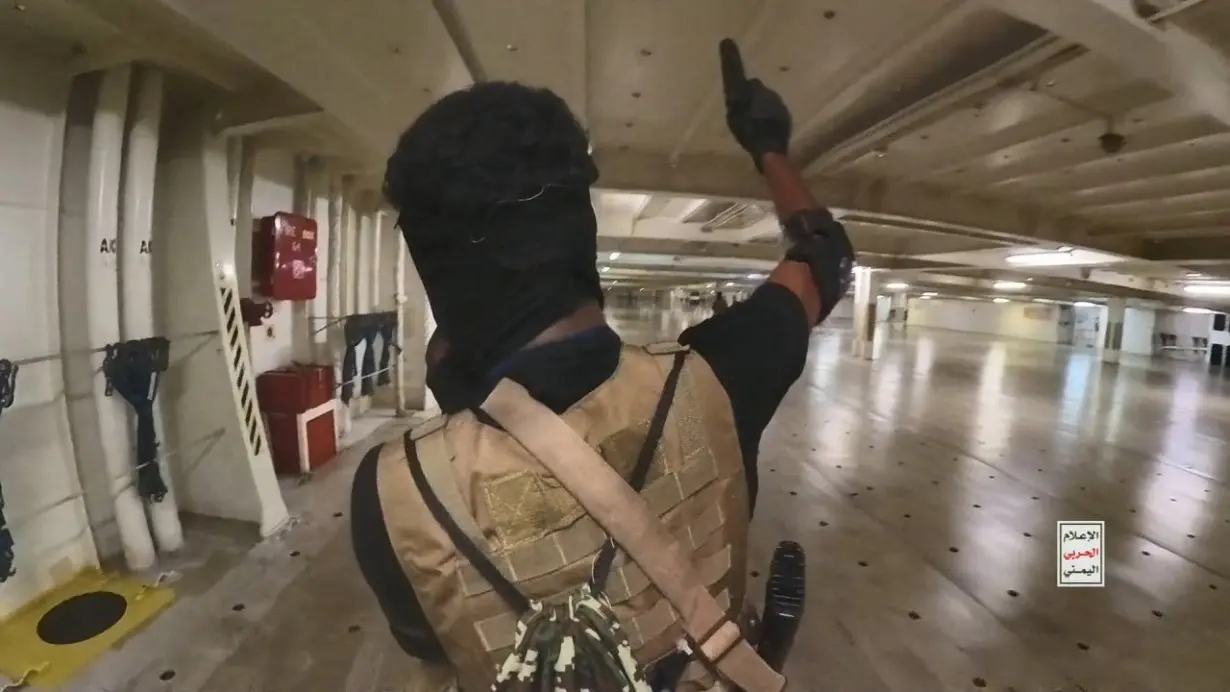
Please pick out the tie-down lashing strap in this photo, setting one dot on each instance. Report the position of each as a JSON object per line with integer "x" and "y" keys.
{"x": 630, "y": 522}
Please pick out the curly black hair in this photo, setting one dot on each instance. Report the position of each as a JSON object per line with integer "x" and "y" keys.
{"x": 493, "y": 143}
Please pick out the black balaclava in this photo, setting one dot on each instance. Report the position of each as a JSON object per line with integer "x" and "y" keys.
{"x": 492, "y": 184}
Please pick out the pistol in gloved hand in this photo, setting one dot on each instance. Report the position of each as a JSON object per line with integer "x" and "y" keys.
{"x": 755, "y": 114}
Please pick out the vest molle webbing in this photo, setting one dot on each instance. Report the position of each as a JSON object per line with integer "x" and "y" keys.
{"x": 537, "y": 535}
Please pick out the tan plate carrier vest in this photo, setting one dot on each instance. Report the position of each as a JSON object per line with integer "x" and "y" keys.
{"x": 543, "y": 541}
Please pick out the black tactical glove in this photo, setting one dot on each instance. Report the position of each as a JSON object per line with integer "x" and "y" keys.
{"x": 755, "y": 114}
{"x": 821, "y": 242}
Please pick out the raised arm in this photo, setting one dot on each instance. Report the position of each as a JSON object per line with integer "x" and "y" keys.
{"x": 820, "y": 260}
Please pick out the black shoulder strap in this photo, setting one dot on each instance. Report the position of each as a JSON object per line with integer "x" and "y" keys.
{"x": 606, "y": 557}
{"x": 505, "y": 589}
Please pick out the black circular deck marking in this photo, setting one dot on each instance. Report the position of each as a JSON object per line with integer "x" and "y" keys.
{"x": 1082, "y": 646}
{"x": 81, "y": 617}
{"x": 979, "y": 682}
{"x": 166, "y": 675}
{"x": 915, "y": 616}
{"x": 1013, "y": 593}
{"x": 1157, "y": 613}
{"x": 953, "y": 549}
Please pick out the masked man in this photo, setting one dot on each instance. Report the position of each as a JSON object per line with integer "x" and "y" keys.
{"x": 492, "y": 185}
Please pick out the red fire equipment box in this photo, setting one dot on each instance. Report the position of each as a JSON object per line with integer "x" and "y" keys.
{"x": 284, "y": 257}
{"x": 294, "y": 389}
{"x": 297, "y": 403}
{"x": 299, "y": 445}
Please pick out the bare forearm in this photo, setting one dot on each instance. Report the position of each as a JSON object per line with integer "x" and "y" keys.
{"x": 786, "y": 185}
{"x": 790, "y": 196}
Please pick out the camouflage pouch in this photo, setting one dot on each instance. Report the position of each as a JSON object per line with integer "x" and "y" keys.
{"x": 573, "y": 645}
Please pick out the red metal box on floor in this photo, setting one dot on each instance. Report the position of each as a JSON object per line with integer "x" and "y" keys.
{"x": 286, "y": 442}
{"x": 294, "y": 389}
{"x": 284, "y": 257}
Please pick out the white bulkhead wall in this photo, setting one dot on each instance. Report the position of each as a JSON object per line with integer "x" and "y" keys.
{"x": 44, "y": 502}
{"x": 273, "y": 190}
{"x": 221, "y": 469}
{"x": 1015, "y": 319}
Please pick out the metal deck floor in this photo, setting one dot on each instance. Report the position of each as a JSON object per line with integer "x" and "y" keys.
{"x": 925, "y": 487}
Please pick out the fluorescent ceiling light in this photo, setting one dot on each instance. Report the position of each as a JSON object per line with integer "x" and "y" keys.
{"x": 1065, "y": 248}
{"x": 755, "y": 277}
{"x": 896, "y": 286}
{"x": 614, "y": 256}
{"x": 1207, "y": 289}
{"x": 929, "y": 294}
{"x": 1000, "y": 300}
{"x": 606, "y": 269}
{"x": 1198, "y": 311}
{"x": 1043, "y": 300}
{"x": 1008, "y": 285}
{"x": 1083, "y": 304}
{"x": 1042, "y": 259}
{"x": 926, "y": 296}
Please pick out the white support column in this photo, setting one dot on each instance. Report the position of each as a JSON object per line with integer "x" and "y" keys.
{"x": 373, "y": 274}
{"x": 303, "y": 203}
{"x": 417, "y": 329}
{"x": 1112, "y": 341}
{"x": 136, "y": 270}
{"x": 898, "y": 306}
{"x": 399, "y": 304}
{"x": 103, "y": 300}
{"x": 866, "y": 291}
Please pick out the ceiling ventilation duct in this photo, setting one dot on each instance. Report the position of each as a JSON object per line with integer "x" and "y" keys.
{"x": 729, "y": 216}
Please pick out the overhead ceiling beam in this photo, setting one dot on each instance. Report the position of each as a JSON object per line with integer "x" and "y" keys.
{"x": 731, "y": 178}
{"x": 1113, "y": 101}
{"x": 714, "y": 97}
{"x": 1165, "y": 54}
{"x": 1192, "y": 199}
{"x": 1183, "y": 132}
{"x": 1188, "y": 250}
{"x": 146, "y": 38}
{"x": 1038, "y": 57}
{"x": 668, "y": 246}
{"x": 880, "y": 62}
{"x": 457, "y": 32}
{"x": 254, "y": 116}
